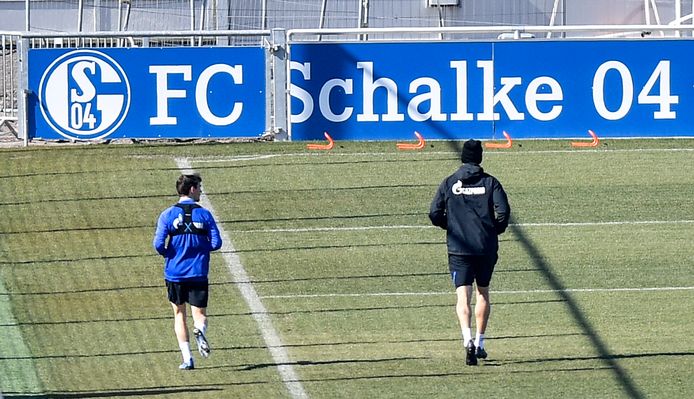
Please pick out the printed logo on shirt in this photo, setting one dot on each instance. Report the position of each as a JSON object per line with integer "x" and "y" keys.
{"x": 179, "y": 221}
{"x": 459, "y": 189}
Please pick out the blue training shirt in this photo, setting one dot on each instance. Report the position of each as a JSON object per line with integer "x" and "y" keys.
{"x": 187, "y": 256}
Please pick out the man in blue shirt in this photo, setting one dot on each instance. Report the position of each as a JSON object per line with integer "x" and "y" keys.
{"x": 192, "y": 234}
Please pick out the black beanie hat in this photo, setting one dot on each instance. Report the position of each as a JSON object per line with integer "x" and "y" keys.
{"x": 472, "y": 152}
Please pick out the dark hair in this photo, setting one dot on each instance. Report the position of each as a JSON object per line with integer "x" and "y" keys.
{"x": 185, "y": 182}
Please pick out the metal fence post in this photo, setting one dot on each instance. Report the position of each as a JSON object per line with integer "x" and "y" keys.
{"x": 23, "y": 90}
{"x": 276, "y": 75}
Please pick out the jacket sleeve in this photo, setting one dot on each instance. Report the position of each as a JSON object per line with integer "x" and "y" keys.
{"x": 437, "y": 211}
{"x": 502, "y": 209}
{"x": 213, "y": 234}
{"x": 160, "y": 235}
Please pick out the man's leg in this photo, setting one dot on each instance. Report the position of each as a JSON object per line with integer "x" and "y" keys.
{"x": 482, "y": 310}
{"x": 200, "y": 331}
{"x": 181, "y": 330}
{"x": 484, "y": 268}
{"x": 463, "y": 309}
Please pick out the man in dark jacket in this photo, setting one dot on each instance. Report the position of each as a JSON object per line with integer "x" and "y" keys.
{"x": 473, "y": 209}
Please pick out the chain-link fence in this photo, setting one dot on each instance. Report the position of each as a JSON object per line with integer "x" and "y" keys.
{"x": 8, "y": 69}
{"x": 9, "y": 59}
{"x": 151, "y": 15}
{"x": 154, "y": 15}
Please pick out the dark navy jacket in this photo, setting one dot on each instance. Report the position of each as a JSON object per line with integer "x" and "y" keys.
{"x": 473, "y": 209}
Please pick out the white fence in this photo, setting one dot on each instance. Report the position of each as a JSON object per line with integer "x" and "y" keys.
{"x": 9, "y": 68}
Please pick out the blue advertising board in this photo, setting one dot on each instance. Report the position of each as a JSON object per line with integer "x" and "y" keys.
{"x": 459, "y": 90}
{"x": 87, "y": 94}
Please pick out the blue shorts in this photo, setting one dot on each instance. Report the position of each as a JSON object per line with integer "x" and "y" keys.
{"x": 466, "y": 269}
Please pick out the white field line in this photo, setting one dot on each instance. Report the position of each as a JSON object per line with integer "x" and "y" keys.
{"x": 250, "y": 295}
{"x": 385, "y": 294}
{"x": 252, "y": 157}
{"x": 405, "y": 227}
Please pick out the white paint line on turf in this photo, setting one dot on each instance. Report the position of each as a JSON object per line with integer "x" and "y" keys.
{"x": 250, "y": 295}
{"x": 405, "y": 227}
{"x": 252, "y": 157}
{"x": 385, "y": 294}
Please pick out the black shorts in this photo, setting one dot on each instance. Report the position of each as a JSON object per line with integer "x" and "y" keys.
{"x": 468, "y": 268}
{"x": 192, "y": 292}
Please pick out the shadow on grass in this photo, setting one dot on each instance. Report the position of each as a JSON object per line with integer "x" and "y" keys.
{"x": 252, "y": 250}
{"x": 324, "y": 362}
{"x": 279, "y": 165}
{"x": 326, "y": 217}
{"x": 621, "y": 376}
{"x": 264, "y": 192}
{"x": 161, "y": 287}
{"x": 334, "y": 246}
{"x": 136, "y": 392}
{"x": 363, "y": 309}
{"x": 68, "y": 261}
{"x": 610, "y": 357}
{"x": 344, "y": 277}
{"x": 244, "y": 314}
{"x": 472, "y": 371}
{"x": 343, "y": 246}
{"x": 224, "y": 222}
{"x": 405, "y": 341}
{"x": 402, "y": 307}
{"x": 376, "y": 276}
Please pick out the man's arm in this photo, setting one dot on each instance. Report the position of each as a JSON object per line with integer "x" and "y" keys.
{"x": 437, "y": 211}
{"x": 160, "y": 235}
{"x": 502, "y": 209}
{"x": 213, "y": 234}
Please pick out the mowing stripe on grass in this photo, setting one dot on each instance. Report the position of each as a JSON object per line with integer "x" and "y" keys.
{"x": 272, "y": 339}
{"x": 17, "y": 374}
{"x": 370, "y": 294}
{"x": 404, "y": 227}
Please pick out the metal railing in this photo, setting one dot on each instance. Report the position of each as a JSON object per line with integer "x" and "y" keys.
{"x": 147, "y": 38}
{"x": 9, "y": 60}
{"x": 490, "y": 33}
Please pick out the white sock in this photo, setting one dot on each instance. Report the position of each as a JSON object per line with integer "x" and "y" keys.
{"x": 479, "y": 340}
{"x": 467, "y": 335}
{"x": 202, "y": 328}
{"x": 185, "y": 351}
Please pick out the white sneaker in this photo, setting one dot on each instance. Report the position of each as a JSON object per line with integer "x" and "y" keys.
{"x": 187, "y": 366}
{"x": 203, "y": 346}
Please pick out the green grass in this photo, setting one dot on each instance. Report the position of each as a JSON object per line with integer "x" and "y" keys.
{"x": 83, "y": 311}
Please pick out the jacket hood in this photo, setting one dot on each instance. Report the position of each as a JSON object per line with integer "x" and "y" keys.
{"x": 469, "y": 172}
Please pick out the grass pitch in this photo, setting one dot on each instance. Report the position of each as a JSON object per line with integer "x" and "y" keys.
{"x": 592, "y": 296}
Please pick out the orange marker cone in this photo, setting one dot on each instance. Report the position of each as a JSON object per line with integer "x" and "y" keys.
{"x": 328, "y": 146}
{"x": 593, "y": 143}
{"x": 407, "y": 146}
{"x": 507, "y": 144}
